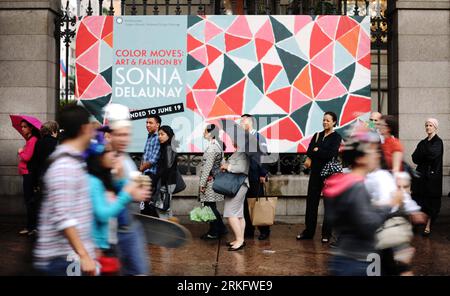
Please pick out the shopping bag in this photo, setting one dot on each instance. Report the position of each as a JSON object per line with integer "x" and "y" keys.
{"x": 262, "y": 210}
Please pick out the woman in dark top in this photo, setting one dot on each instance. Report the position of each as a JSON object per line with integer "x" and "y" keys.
{"x": 322, "y": 148}
{"x": 427, "y": 190}
{"x": 166, "y": 175}
{"x": 44, "y": 147}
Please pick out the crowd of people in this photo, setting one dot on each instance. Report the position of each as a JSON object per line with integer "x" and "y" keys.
{"x": 81, "y": 184}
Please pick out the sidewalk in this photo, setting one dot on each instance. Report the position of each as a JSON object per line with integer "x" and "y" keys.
{"x": 281, "y": 255}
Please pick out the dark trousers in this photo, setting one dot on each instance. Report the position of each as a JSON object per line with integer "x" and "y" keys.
{"x": 150, "y": 210}
{"x": 315, "y": 186}
{"x": 249, "y": 228}
{"x": 31, "y": 201}
{"x": 216, "y": 227}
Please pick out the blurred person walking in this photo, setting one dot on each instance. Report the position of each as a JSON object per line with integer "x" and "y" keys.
{"x": 324, "y": 146}
{"x": 427, "y": 190}
{"x": 109, "y": 197}
{"x": 132, "y": 246}
{"x": 65, "y": 220}
{"x": 354, "y": 218}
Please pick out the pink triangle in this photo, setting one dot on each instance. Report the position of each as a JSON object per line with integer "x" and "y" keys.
{"x": 329, "y": 23}
{"x": 298, "y": 100}
{"x": 363, "y": 44}
{"x": 205, "y": 100}
{"x": 325, "y": 59}
{"x": 240, "y": 27}
{"x": 266, "y": 32}
{"x": 300, "y": 22}
{"x": 200, "y": 55}
{"x": 98, "y": 88}
{"x": 90, "y": 58}
{"x": 211, "y": 31}
{"x": 333, "y": 89}
{"x": 95, "y": 25}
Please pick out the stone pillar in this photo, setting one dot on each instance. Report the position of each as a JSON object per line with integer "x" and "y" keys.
{"x": 419, "y": 71}
{"x": 29, "y": 69}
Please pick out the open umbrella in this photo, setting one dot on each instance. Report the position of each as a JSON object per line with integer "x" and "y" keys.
{"x": 17, "y": 119}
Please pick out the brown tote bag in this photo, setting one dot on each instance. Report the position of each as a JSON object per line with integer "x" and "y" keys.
{"x": 262, "y": 210}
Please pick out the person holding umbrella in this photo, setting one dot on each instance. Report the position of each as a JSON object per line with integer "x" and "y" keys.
{"x": 29, "y": 128}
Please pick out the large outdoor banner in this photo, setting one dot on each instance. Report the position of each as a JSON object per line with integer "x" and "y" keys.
{"x": 191, "y": 70}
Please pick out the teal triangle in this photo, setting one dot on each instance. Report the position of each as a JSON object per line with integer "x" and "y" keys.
{"x": 290, "y": 45}
{"x": 342, "y": 58}
{"x": 107, "y": 74}
{"x": 300, "y": 116}
{"x": 365, "y": 91}
{"x": 193, "y": 64}
{"x": 281, "y": 81}
{"x": 346, "y": 75}
{"x": 198, "y": 31}
{"x": 358, "y": 18}
{"x": 263, "y": 120}
{"x": 230, "y": 75}
{"x": 193, "y": 19}
{"x": 279, "y": 30}
{"x": 365, "y": 25}
{"x": 193, "y": 76}
{"x": 334, "y": 105}
{"x": 247, "y": 51}
{"x": 218, "y": 42}
{"x": 292, "y": 64}
{"x": 252, "y": 96}
{"x": 95, "y": 107}
{"x": 315, "y": 119}
{"x": 222, "y": 21}
{"x": 106, "y": 54}
{"x": 256, "y": 76}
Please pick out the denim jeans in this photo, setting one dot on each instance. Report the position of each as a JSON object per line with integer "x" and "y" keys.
{"x": 132, "y": 251}
{"x": 345, "y": 266}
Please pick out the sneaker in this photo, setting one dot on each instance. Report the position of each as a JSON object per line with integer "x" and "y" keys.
{"x": 23, "y": 231}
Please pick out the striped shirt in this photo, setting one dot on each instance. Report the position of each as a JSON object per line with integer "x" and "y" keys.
{"x": 151, "y": 152}
{"x": 66, "y": 204}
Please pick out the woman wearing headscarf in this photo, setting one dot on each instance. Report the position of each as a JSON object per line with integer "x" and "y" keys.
{"x": 211, "y": 161}
{"x": 26, "y": 165}
{"x": 427, "y": 189}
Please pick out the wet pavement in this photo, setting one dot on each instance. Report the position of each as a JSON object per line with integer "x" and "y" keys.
{"x": 282, "y": 254}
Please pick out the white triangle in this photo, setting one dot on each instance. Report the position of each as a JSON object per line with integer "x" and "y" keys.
{"x": 272, "y": 57}
{"x": 360, "y": 79}
{"x": 216, "y": 69}
{"x": 287, "y": 20}
{"x": 267, "y": 106}
{"x": 244, "y": 64}
{"x": 256, "y": 22}
{"x": 304, "y": 38}
{"x": 281, "y": 146}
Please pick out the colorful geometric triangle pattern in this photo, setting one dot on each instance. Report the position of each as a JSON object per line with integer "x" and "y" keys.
{"x": 293, "y": 69}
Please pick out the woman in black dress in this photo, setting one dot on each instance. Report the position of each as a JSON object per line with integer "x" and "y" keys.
{"x": 427, "y": 190}
{"x": 322, "y": 148}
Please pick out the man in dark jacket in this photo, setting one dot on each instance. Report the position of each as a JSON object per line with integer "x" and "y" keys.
{"x": 257, "y": 176}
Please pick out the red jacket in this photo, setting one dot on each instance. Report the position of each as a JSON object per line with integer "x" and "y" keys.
{"x": 26, "y": 155}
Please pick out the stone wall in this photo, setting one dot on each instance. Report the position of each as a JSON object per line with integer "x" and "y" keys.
{"x": 419, "y": 72}
{"x": 29, "y": 66}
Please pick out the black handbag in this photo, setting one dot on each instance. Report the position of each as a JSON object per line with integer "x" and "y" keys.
{"x": 180, "y": 185}
{"x": 228, "y": 184}
{"x": 331, "y": 167}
